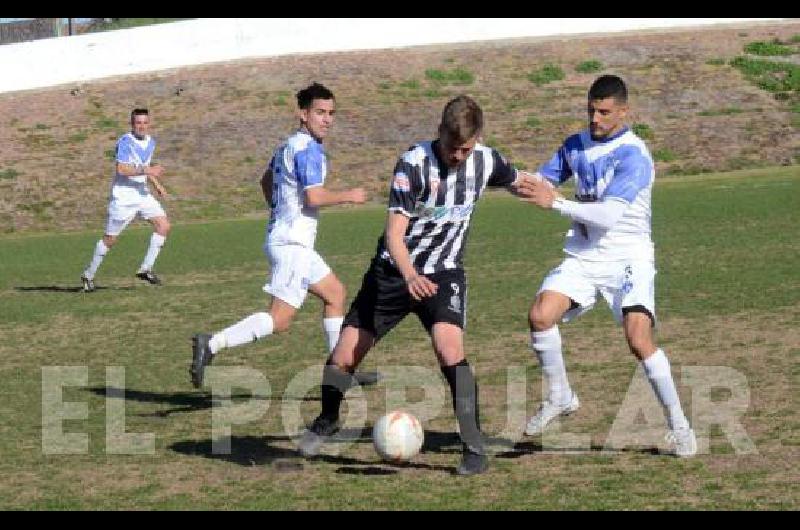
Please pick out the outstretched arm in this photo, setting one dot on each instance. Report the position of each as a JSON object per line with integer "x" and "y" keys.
{"x": 319, "y": 196}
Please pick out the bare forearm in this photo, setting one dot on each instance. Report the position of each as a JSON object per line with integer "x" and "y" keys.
{"x": 319, "y": 196}
{"x": 399, "y": 253}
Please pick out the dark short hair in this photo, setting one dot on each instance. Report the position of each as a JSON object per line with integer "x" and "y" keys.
{"x": 609, "y": 86}
{"x": 313, "y": 91}
{"x": 462, "y": 119}
{"x": 139, "y": 112}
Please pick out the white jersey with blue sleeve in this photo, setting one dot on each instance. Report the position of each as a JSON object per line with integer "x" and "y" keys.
{"x": 131, "y": 150}
{"x": 620, "y": 169}
{"x": 297, "y": 165}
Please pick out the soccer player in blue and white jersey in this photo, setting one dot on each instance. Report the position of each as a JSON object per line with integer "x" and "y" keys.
{"x": 294, "y": 187}
{"x": 608, "y": 251}
{"x": 130, "y": 196}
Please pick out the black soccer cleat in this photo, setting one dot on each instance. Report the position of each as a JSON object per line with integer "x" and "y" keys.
{"x": 88, "y": 284}
{"x": 318, "y": 432}
{"x": 149, "y": 277}
{"x": 201, "y": 357}
{"x": 472, "y": 463}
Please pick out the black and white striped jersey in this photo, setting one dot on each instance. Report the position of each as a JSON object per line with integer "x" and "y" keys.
{"x": 439, "y": 202}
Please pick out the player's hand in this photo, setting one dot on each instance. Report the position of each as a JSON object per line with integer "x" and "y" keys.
{"x": 541, "y": 193}
{"x": 421, "y": 287}
{"x": 358, "y": 196}
{"x": 154, "y": 171}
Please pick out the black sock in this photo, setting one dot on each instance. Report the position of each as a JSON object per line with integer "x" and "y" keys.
{"x": 335, "y": 383}
{"x": 464, "y": 390}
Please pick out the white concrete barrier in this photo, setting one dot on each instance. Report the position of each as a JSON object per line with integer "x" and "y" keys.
{"x": 128, "y": 51}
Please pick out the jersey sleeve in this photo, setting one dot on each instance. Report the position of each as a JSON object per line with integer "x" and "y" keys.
{"x": 632, "y": 174}
{"x": 125, "y": 151}
{"x": 503, "y": 173}
{"x": 405, "y": 188}
{"x": 557, "y": 170}
{"x": 309, "y": 166}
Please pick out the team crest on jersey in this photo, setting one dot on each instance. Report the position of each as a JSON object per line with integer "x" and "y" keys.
{"x": 434, "y": 186}
{"x": 401, "y": 183}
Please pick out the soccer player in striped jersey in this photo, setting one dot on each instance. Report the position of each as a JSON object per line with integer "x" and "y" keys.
{"x": 294, "y": 187}
{"x": 130, "y": 196}
{"x": 608, "y": 250}
{"x": 418, "y": 268}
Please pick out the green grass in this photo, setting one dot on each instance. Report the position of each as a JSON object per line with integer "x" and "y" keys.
{"x": 726, "y": 258}
{"x": 533, "y": 122}
{"x": 664, "y": 155}
{"x": 768, "y": 48}
{"x": 587, "y": 67}
{"x": 716, "y": 62}
{"x": 546, "y": 74}
{"x": 727, "y": 111}
{"x": 8, "y": 174}
{"x": 769, "y": 75}
{"x": 78, "y": 137}
{"x": 455, "y": 76}
{"x": 643, "y": 131}
{"x": 107, "y": 123}
{"x": 411, "y": 84}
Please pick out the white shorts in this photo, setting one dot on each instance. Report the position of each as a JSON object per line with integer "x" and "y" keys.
{"x": 120, "y": 215}
{"x": 294, "y": 268}
{"x": 622, "y": 283}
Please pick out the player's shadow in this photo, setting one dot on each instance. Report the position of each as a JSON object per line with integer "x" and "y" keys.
{"x": 520, "y": 449}
{"x": 63, "y": 289}
{"x": 183, "y": 401}
{"x": 263, "y": 451}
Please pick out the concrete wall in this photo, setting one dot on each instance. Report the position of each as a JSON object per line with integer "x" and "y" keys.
{"x": 81, "y": 58}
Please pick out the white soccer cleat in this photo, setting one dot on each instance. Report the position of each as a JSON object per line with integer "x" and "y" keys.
{"x": 683, "y": 442}
{"x": 548, "y": 412}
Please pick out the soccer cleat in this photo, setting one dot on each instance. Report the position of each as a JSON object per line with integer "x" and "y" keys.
{"x": 316, "y": 434}
{"x": 88, "y": 284}
{"x": 201, "y": 357}
{"x": 683, "y": 442}
{"x": 548, "y": 412}
{"x": 149, "y": 276}
{"x": 366, "y": 378}
{"x": 472, "y": 463}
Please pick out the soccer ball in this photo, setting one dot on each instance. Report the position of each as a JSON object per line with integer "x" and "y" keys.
{"x": 397, "y": 436}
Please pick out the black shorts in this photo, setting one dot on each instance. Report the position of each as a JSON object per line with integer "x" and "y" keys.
{"x": 383, "y": 300}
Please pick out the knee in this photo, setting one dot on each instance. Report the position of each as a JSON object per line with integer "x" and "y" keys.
{"x": 539, "y": 320}
{"x": 280, "y": 323}
{"x": 640, "y": 347}
{"x": 163, "y": 228}
{"x": 335, "y": 295}
{"x": 109, "y": 241}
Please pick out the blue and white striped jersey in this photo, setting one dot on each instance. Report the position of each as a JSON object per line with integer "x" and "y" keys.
{"x": 618, "y": 168}
{"x": 131, "y": 150}
{"x": 297, "y": 164}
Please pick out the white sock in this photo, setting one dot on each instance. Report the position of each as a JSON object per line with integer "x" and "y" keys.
{"x": 252, "y": 328}
{"x": 658, "y": 372}
{"x": 156, "y": 242}
{"x": 547, "y": 345}
{"x": 100, "y": 251}
{"x": 332, "y": 327}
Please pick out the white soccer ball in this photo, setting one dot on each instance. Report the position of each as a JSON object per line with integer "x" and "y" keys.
{"x": 397, "y": 436}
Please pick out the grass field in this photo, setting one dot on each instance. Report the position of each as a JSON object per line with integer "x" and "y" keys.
{"x": 728, "y": 295}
